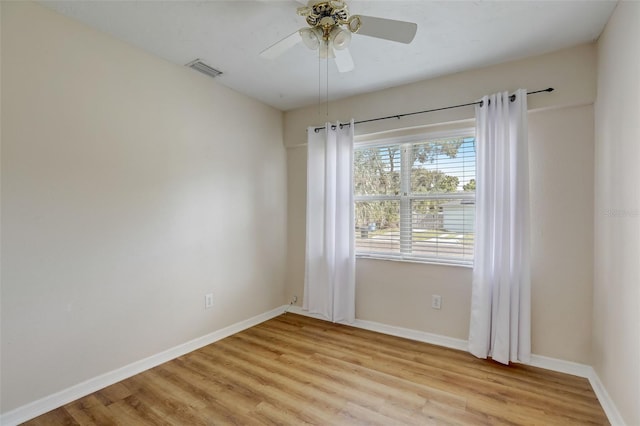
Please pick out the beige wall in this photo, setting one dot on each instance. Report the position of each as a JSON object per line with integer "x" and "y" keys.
{"x": 399, "y": 293}
{"x": 561, "y": 140}
{"x": 571, "y": 71}
{"x": 130, "y": 188}
{"x": 561, "y": 163}
{"x": 616, "y": 305}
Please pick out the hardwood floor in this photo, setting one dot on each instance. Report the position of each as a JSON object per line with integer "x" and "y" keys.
{"x": 294, "y": 370}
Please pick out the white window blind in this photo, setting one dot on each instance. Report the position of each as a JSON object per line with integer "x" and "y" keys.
{"x": 415, "y": 200}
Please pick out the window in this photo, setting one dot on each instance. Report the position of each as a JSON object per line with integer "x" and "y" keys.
{"x": 415, "y": 198}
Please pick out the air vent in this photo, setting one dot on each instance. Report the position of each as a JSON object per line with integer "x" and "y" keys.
{"x": 198, "y": 65}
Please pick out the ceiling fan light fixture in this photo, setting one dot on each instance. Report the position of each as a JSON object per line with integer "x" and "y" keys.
{"x": 340, "y": 38}
{"x": 330, "y": 31}
{"x": 311, "y": 37}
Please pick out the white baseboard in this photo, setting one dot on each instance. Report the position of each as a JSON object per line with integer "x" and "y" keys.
{"x": 420, "y": 336}
{"x": 588, "y": 372}
{"x": 554, "y": 364}
{"x": 58, "y": 399}
{"x": 610, "y": 409}
{"x": 48, "y": 403}
{"x": 561, "y": 366}
{"x": 407, "y": 333}
{"x": 298, "y": 310}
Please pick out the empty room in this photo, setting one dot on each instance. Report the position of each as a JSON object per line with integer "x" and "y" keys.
{"x": 325, "y": 212}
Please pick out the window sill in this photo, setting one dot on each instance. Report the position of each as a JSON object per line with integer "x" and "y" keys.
{"x": 437, "y": 262}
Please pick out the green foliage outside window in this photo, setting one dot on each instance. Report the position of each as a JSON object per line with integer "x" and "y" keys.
{"x": 377, "y": 172}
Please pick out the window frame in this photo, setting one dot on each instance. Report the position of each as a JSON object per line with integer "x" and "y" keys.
{"x": 405, "y": 197}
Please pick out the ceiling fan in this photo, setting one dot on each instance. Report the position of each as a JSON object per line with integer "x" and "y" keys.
{"x": 330, "y": 29}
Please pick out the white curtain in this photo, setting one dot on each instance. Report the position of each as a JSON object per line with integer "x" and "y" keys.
{"x": 500, "y": 325}
{"x": 329, "y": 287}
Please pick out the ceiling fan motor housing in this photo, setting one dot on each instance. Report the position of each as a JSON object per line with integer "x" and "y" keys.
{"x": 326, "y": 15}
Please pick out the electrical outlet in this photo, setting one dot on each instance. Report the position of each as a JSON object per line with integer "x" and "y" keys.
{"x": 208, "y": 300}
{"x": 294, "y": 300}
{"x": 436, "y": 301}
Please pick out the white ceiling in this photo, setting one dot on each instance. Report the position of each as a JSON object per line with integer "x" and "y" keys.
{"x": 452, "y": 36}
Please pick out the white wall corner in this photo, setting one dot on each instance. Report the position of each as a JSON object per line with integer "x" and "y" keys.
{"x": 65, "y": 396}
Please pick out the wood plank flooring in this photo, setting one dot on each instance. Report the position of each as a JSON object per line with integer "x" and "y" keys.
{"x": 295, "y": 370}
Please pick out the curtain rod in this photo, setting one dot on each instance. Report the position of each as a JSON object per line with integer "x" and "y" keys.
{"x": 398, "y": 116}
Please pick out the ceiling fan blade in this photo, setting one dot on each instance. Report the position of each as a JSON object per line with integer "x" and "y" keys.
{"x": 344, "y": 61}
{"x": 282, "y": 46}
{"x": 388, "y": 29}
